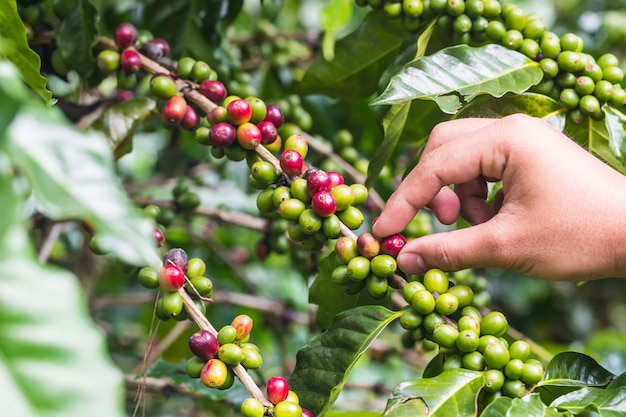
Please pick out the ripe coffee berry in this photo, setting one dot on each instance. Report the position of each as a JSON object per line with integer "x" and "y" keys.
{"x": 130, "y": 61}
{"x": 213, "y": 90}
{"x": 204, "y": 344}
{"x": 174, "y": 110}
{"x": 222, "y": 135}
{"x": 125, "y": 35}
{"x": 274, "y": 115}
{"x": 335, "y": 178}
{"x": 392, "y": 245}
{"x": 291, "y": 162}
{"x": 191, "y": 120}
{"x": 317, "y": 181}
{"x": 171, "y": 277}
{"x": 277, "y": 389}
{"x": 159, "y": 237}
{"x": 177, "y": 257}
{"x": 323, "y": 203}
{"x": 248, "y": 135}
{"x": 239, "y": 111}
{"x": 269, "y": 134}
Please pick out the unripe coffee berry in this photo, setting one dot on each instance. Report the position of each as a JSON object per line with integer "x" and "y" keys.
{"x": 344, "y": 196}
{"x": 297, "y": 142}
{"x": 494, "y": 323}
{"x": 358, "y": 268}
{"x": 227, "y": 334}
{"x": 423, "y": 302}
{"x": 108, "y": 61}
{"x": 383, "y": 265}
{"x": 148, "y": 277}
{"x": 346, "y": 249}
{"x": 360, "y": 194}
{"x": 309, "y": 221}
{"x": 248, "y": 135}
{"x": 200, "y": 285}
{"x": 494, "y": 379}
{"x": 435, "y": 280}
{"x": 291, "y": 162}
{"x": 368, "y": 245}
{"x": 473, "y": 361}
{"x": 445, "y": 335}
{"x": 243, "y": 324}
{"x": 532, "y": 372}
{"x": 496, "y": 355}
{"x": 446, "y": 304}
{"x": 163, "y": 87}
{"x": 204, "y": 344}
{"x": 214, "y": 374}
{"x": 287, "y": 409}
{"x": 252, "y": 358}
{"x": 467, "y": 341}
{"x": 409, "y": 290}
{"x": 376, "y": 286}
{"x": 230, "y": 354}
{"x": 351, "y": 217}
{"x": 277, "y": 389}
{"x": 171, "y": 277}
{"x": 251, "y": 407}
{"x": 520, "y": 349}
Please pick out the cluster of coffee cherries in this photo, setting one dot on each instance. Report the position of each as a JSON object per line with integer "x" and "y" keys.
{"x": 125, "y": 62}
{"x": 366, "y": 263}
{"x": 575, "y": 79}
{"x": 216, "y": 354}
{"x": 445, "y": 315}
{"x": 177, "y": 271}
{"x": 284, "y": 402}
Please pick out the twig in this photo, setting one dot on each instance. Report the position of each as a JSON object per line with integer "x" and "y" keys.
{"x": 52, "y": 236}
{"x": 158, "y": 386}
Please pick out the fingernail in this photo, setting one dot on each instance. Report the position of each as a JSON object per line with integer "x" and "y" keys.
{"x": 410, "y": 262}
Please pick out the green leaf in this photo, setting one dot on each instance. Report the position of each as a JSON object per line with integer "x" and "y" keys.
{"x": 451, "y": 393}
{"x": 324, "y": 364}
{"x": 615, "y": 120}
{"x": 606, "y": 402}
{"x": 330, "y": 298}
{"x": 460, "y": 73}
{"x": 120, "y": 121}
{"x": 14, "y": 46}
{"x": 360, "y": 59}
{"x": 536, "y": 105}
{"x": 573, "y": 369}
{"x": 333, "y": 17}
{"x": 72, "y": 177}
{"x": 53, "y": 359}
{"x": 527, "y": 406}
{"x": 594, "y": 136}
{"x": 394, "y": 122}
{"x": 76, "y": 37}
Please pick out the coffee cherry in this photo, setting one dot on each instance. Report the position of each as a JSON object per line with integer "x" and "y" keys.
{"x": 174, "y": 110}
{"x": 193, "y": 367}
{"x": 463, "y": 294}
{"x": 360, "y": 194}
{"x": 346, "y": 249}
{"x": 252, "y": 358}
{"x": 383, "y": 265}
{"x": 368, "y": 245}
{"x": 323, "y": 204}
{"x": 467, "y": 341}
{"x": 297, "y": 142}
{"x": 200, "y": 285}
{"x": 163, "y": 87}
{"x": 410, "y": 319}
{"x": 358, "y": 268}
{"x": 217, "y": 115}
{"x": 191, "y": 120}
{"x": 317, "y": 181}
{"x": 473, "y": 361}
{"x": 214, "y": 374}
{"x": 200, "y": 71}
{"x": 310, "y": 222}
{"x": 344, "y": 196}
{"x": 550, "y": 45}
{"x": 238, "y": 111}
{"x": 204, "y": 344}
{"x": 351, "y": 217}
{"x": 513, "y": 369}
{"x": 159, "y": 237}
{"x": 280, "y": 194}
{"x": 513, "y": 388}
{"x": 264, "y": 172}
{"x": 446, "y": 304}
{"x": 277, "y": 389}
{"x": 125, "y": 35}
{"x": 195, "y": 268}
{"x": 452, "y": 361}
{"x": 171, "y": 277}
{"x": 287, "y": 409}
{"x": 291, "y": 208}
{"x": 169, "y": 305}
{"x": 469, "y": 323}
{"x": 130, "y": 61}
{"x": 376, "y": 286}
{"x": 230, "y": 354}
{"x": 532, "y": 372}
{"x": 269, "y": 134}
{"x": 274, "y": 115}
{"x": 248, "y": 135}
{"x": 213, "y": 90}
{"x": 227, "y": 334}
{"x": 494, "y": 323}
{"x": 496, "y": 355}
{"x": 299, "y": 190}
{"x": 222, "y": 135}
{"x": 613, "y": 75}
{"x": 258, "y": 109}
{"x": 159, "y": 44}
{"x": 291, "y": 162}
{"x": 494, "y": 379}
{"x": 520, "y": 349}
{"x": 251, "y": 407}
{"x": 445, "y": 335}
{"x": 243, "y": 324}
{"x": 423, "y": 302}
{"x": 410, "y": 289}
{"x": 148, "y": 277}
{"x": 392, "y": 245}
{"x": 435, "y": 280}
{"x": 108, "y": 61}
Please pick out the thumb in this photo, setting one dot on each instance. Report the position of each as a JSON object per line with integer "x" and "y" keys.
{"x": 472, "y": 247}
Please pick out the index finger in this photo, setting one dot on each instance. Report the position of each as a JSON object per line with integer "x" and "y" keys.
{"x": 461, "y": 151}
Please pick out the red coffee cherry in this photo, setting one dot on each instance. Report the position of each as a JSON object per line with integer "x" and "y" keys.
{"x": 222, "y": 135}
{"x": 125, "y": 35}
{"x": 171, "y": 277}
{"x": 277, "y": 389}
{"x": 248, "y": 135}
{"x": 335, "y": 178}
{"x": 269, "y": 134}
{"x": 324, "y": 204}
{"x": 213, "y": 90}
{"x": 130, "y": 61}
{"x": 174, "y": 110}
{"x": 239, "y": 111}
{"x": 291, "y": 162}
{"x": 159, "y": 237}
{"x": 204, "y": 344}
{"x": 317, "y": 181}
{"x": 161, "y": 44}
{"x": 191, "y": 120}
{"x": 392, "y": 245}
{"x": 275, "y": 115}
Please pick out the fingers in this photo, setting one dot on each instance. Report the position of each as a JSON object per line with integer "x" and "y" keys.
{"x": 473, "y": 196}
{"x": 473, "y": 153}
{"x": 451, "y": 251}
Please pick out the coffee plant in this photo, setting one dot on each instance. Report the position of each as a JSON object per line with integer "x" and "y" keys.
{"x": 189, "y": 188}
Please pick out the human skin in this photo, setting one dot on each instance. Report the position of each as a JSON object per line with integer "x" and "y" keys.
{"x": 560, "y": 215}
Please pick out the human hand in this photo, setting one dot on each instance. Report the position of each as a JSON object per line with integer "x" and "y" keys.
{"x": 561, "y": 212}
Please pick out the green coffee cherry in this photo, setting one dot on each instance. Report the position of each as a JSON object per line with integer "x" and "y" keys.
{"x": 169, "y": 305}
{"x": 200, "y": 285}
{"x": 494, "y": 379}
{"x": 227, "y": 334}
{"x": 194, "y": 366}
{"x": 520, "y": 349}
{"x": 383, "y": 265}
{"x": 435, "y": 280}
{"x": 351, "y": 217}
{"x": 360, "y": 194}
{"x": 251, "y": 407}
{"x": 358, "y": 268}
{"x": 410, "y": 319}
{"x": 423, "y": 302}
{"x": 513, "y": 388}
{"x": 148, "y": 277}
{"x": 340, "y": 275}
{"x": 513, "y": 369}
{"x": 291, "y": 209}
{"x": 410, "y": 289}
{"x": 309, "y": 222}
{"x": 432, "y": 321}
{"x": 496, "y": 355}
{"x": 494, "y": 323}
{"x": 230, "y": 354}
{"x": 331, "y": 226}
{"x": 452, "y": 361}
{"x": 532, "y": 372}
{"x": 446, "y": 304}
{"x": 252, "y": 358}
{"x": 467, "y": 341}
{"x": 376, "y": 286}
{"x": 463, "y": 294}
{"x": 469, "y": 323}
{"x": 473, "y": 361}
{"x": 445, "y": 335}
